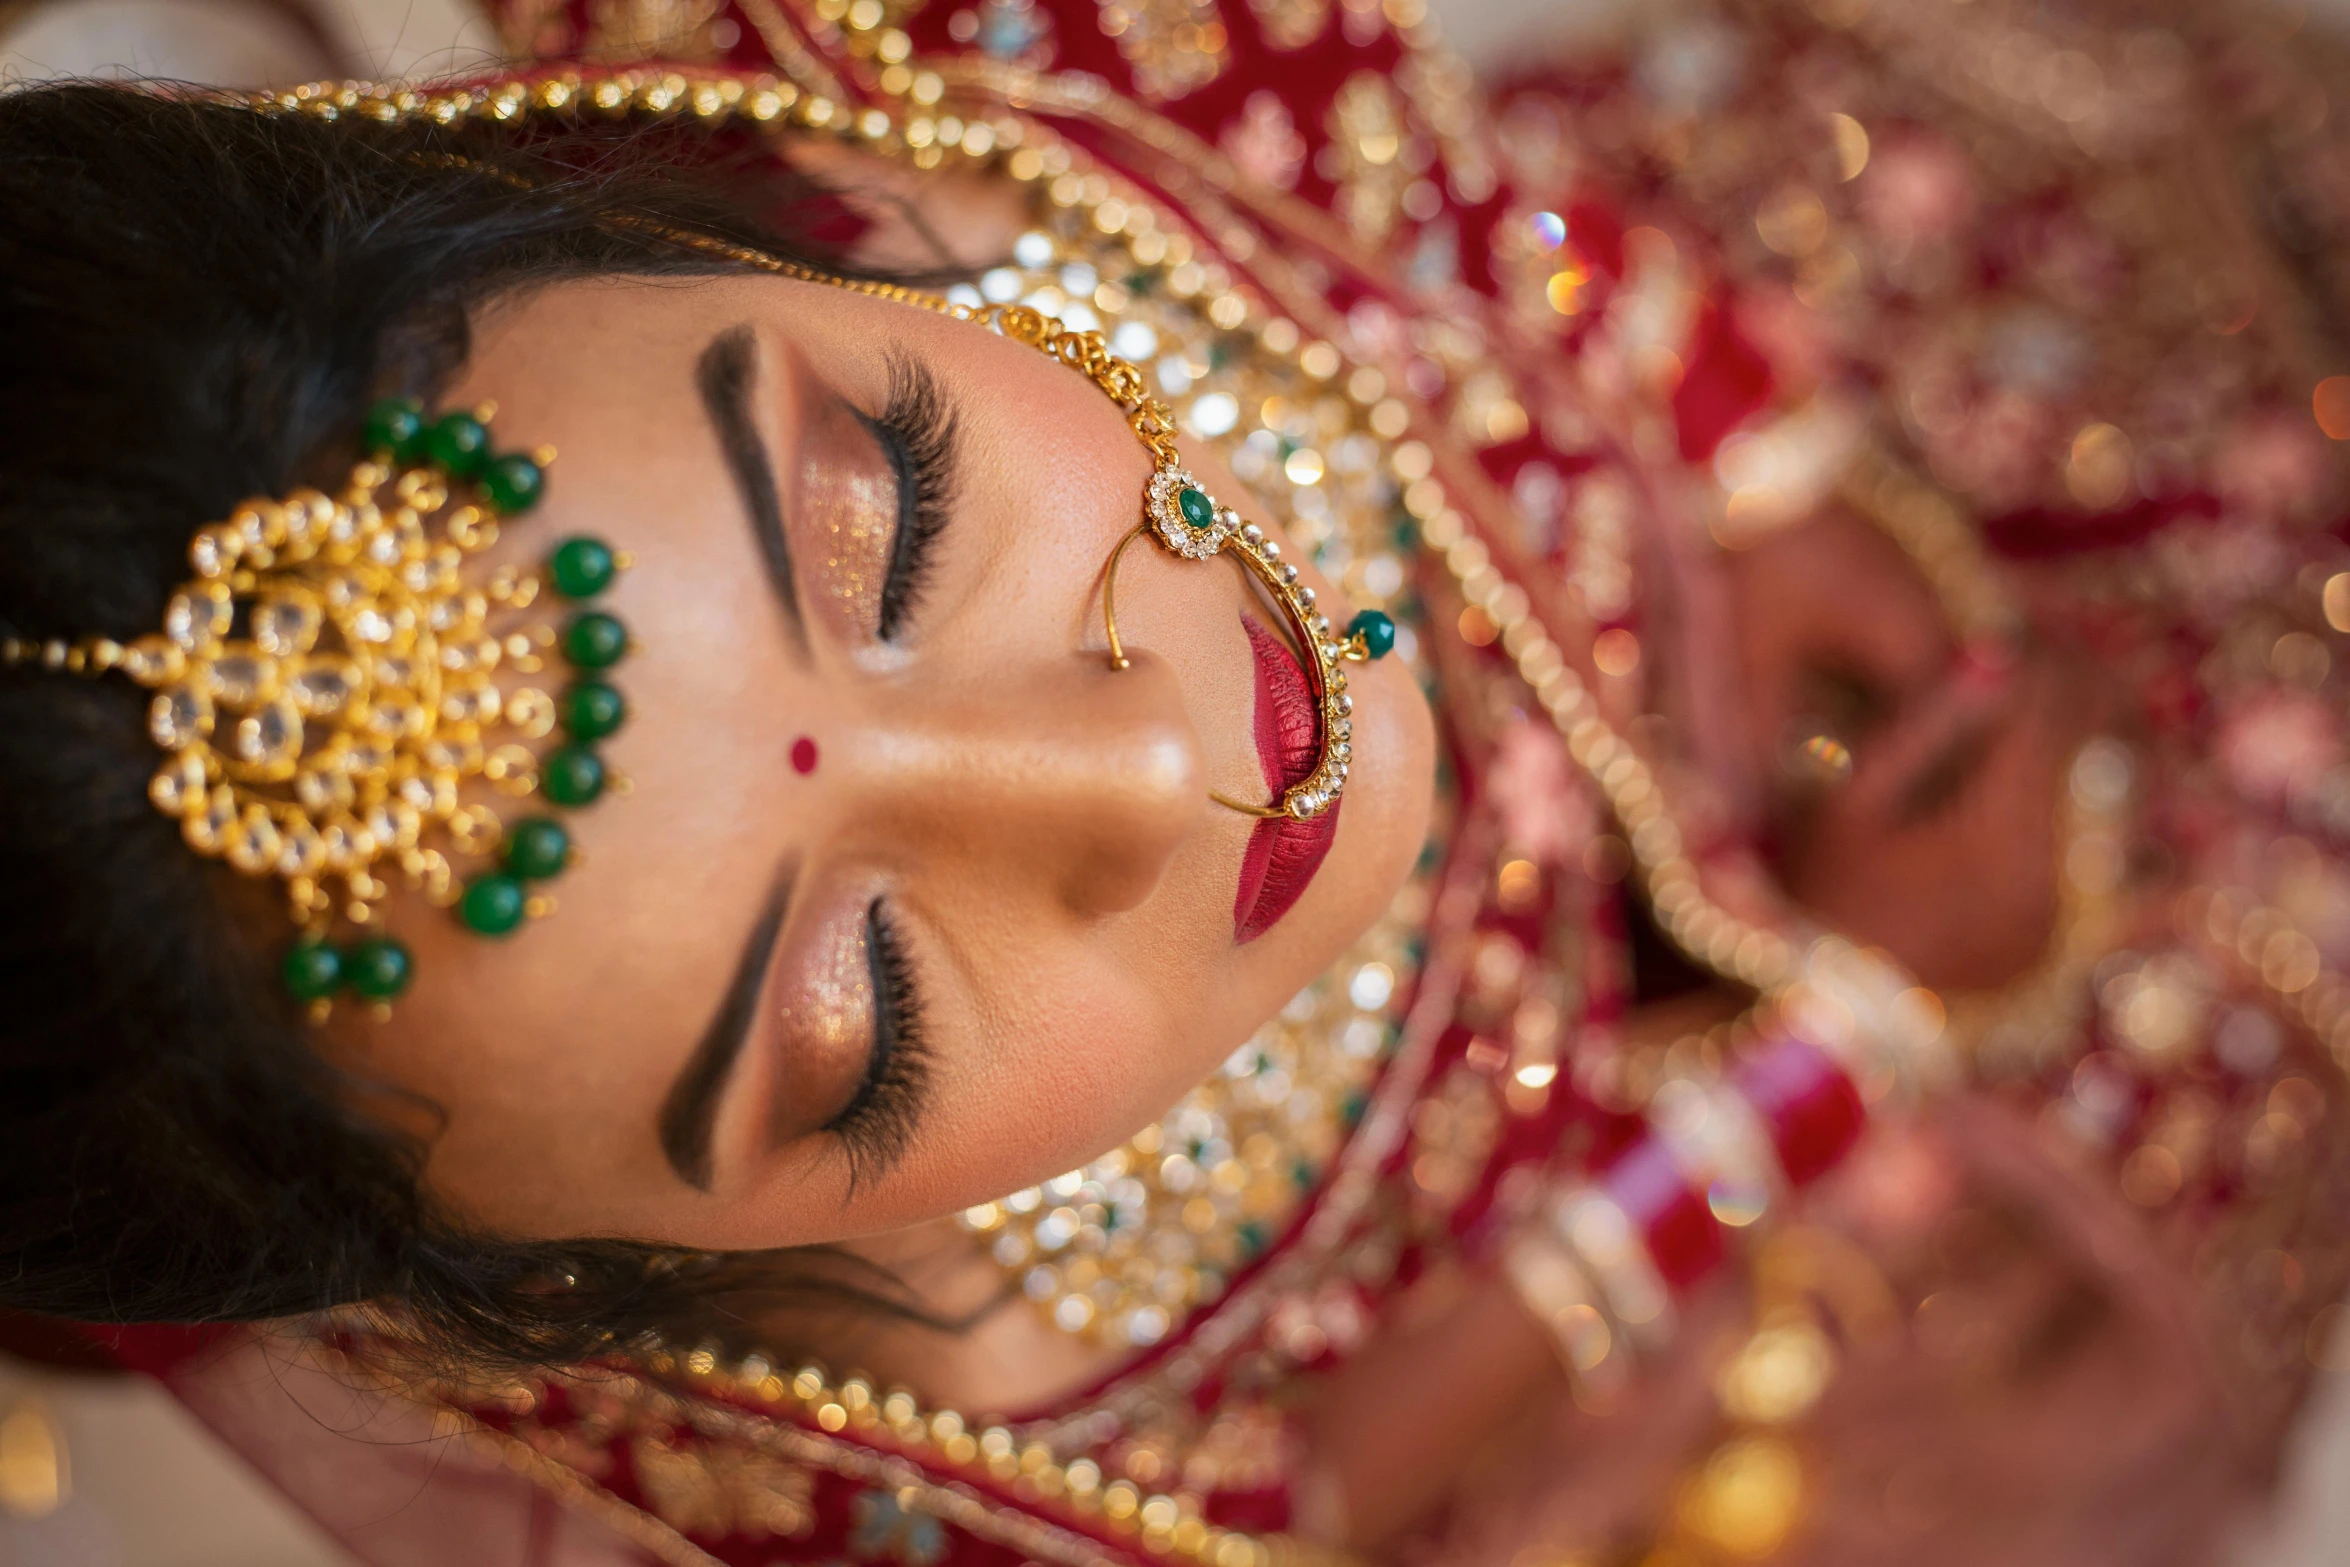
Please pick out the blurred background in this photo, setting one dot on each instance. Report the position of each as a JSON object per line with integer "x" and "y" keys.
{"x": 99, "y": 1470}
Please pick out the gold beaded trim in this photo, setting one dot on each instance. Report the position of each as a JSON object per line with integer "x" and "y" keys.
{"x": 327, "y": 697}
{"x": 1733, "y": 946}
{"x": 1933, "y": 531}
{"x": 1161, "y": 1523}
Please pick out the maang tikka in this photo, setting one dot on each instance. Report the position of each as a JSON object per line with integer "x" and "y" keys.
{"x": 328, "y": 702}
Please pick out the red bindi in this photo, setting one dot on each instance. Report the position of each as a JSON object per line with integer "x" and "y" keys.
{"x": 803, "y": 756}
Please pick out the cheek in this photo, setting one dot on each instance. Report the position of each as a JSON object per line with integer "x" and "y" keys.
{"x": 1064, "y": 1056}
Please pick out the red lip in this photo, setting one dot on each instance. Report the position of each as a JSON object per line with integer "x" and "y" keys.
{"x": 1283, "y": 853}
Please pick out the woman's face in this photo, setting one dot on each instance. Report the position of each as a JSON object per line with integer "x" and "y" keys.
{"x": 914, "y": 901}
{"x": 1937, "y": 839}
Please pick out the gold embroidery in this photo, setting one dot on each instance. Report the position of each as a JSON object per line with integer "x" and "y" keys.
{"x": 1604, "y": 510}
{"x": 1453, "y": 1132}
{"x": 1264, "y": 144}
{"x": 1369, "y": 142}
{"x": 1173, "y": 46}
{"x": 1442, "y": 93}
{"x": 633, "y": 1524}
{"x": 800, "y": 64}
{"x": 1291, "y": 24}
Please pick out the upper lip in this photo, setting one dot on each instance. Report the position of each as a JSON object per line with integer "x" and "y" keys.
{"x": 1283, "y": 852}
{"x": 1288, "y": 727}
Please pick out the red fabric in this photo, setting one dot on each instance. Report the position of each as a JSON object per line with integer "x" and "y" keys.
{"x": 1725, "y": 382}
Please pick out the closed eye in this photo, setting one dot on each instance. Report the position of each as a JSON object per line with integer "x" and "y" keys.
{"x": 878, "y": 1122}
{"x": 916, "y": 431}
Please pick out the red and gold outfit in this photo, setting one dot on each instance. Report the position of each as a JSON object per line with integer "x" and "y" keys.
{"x": 1466, "y": 368}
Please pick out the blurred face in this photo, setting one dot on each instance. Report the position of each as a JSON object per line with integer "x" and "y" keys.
{"x": 914, "y": 901}
{"x": 1937, "y": 840}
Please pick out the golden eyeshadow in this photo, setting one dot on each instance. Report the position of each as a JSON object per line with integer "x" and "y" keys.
{"x": 834, "y": 1010}
{"x": 827, "y": 1033}
{"x": 847, "y": 514}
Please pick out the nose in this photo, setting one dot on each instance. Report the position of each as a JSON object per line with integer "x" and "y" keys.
{"x": 1069, "y": 775}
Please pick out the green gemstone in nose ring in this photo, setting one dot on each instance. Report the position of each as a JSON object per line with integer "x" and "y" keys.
{"x": 1370, "y": 635}
{"x": 1199, "y": 513}
{"x": 1183, "y": 515}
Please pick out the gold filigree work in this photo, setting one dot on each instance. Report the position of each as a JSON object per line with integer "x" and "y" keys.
{"x": 327, "y": 690}
{"x": 1173, "y": 46}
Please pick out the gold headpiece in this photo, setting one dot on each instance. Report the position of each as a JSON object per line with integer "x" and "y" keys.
{"x": 327, "y": 702}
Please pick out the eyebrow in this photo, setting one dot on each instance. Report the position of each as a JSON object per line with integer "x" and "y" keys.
{"x": 725, "y": 376}
{"x": 689, "y": 1112}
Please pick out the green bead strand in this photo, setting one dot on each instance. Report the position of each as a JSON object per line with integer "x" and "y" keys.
{"x": 460, "y": 443}
{"x": 583, "y": 567}
{"x": 393, "y": 426}
{"x": 378, "y": 968}
{"x": 572, "y": 776}
{"x": 513, "y": 484}
{"x": 537, "y": 848}
{"x": 312, "y": 971}
{"x": 1376, "y": 630}
{"x": 493, "y": 905}
{"x": 595, "y": 640}
{"x": 591, "y": 709}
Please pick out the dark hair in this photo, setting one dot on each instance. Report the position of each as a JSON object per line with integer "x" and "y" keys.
{"x": 198, "y": 304}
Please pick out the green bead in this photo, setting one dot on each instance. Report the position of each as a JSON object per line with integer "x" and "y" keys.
{"x": 1376, "y": 630}
{"x": 460, "y": 443}
{"x": 513, "y": 484}
{"x": 538, "y": 848}
{"x": 572, "y": 775}
{"x": 493, "y": 905}
{"x": 313, "y": 970}
{"x": 592, "y": 710}
{"x": 378, "y": 968}
{"x": 1199, "y": 513}
{"x": 583, "y": 567}
{"x": 595, "y": 640}
{"x": 393, "y": 426}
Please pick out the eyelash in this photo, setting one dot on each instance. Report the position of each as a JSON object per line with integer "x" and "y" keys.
{"x": 917, "y": 430}
{"x": 877, "y": 1124}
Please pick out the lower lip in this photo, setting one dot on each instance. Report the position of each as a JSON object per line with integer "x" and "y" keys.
{"x": 1283, "y": 853}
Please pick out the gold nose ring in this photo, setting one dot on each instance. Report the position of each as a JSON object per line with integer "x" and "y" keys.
{"x": 1182, "y": 517}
